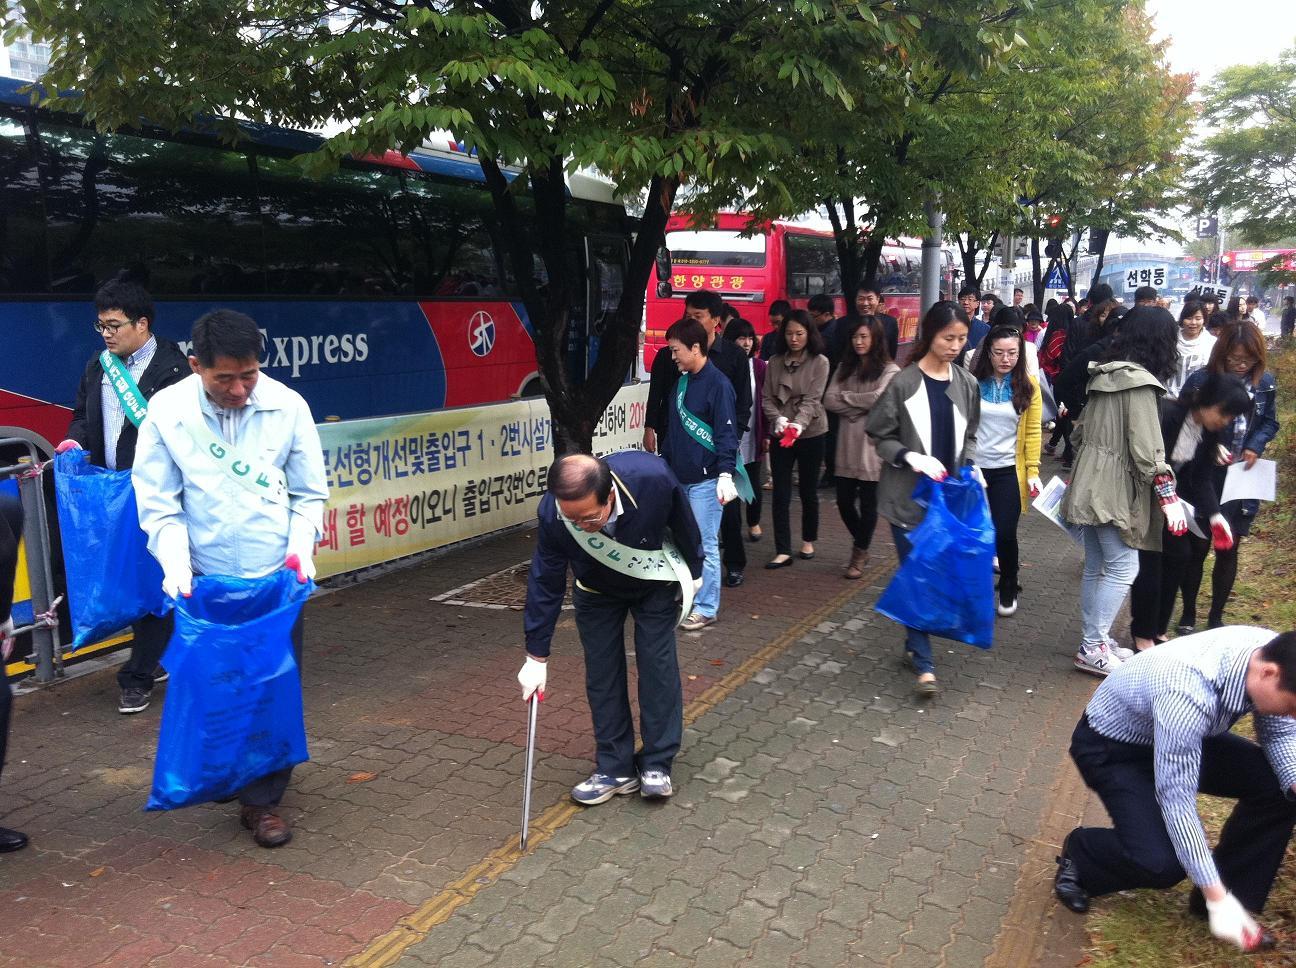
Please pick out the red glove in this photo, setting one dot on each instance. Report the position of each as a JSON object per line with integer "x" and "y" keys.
{"x": 790, "y": 434}
{"x": 1221, "y": 533}
{"x": 294, "y": 563}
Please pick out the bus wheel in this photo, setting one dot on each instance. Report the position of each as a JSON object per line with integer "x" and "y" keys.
{"x": 533, "y": 388}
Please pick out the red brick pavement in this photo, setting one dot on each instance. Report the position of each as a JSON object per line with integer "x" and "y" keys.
{"x": 415, "y": 735}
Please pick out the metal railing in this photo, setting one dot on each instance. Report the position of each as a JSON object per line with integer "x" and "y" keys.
{"x": 46, "y": 646}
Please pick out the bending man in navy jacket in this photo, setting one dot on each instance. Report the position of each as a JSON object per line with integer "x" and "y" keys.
{"x": 633, "y": 504}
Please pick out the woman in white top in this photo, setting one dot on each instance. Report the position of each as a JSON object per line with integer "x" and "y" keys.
{"x": 1007, "y": 446}
{"x": 1195, "y": 345}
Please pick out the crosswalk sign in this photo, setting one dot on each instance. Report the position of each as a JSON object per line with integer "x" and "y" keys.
{"x": 1059, "y": 278}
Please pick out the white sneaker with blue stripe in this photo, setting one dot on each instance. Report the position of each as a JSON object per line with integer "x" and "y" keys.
{"x": 655, "y": 785}
{"x": 600, "y": 788}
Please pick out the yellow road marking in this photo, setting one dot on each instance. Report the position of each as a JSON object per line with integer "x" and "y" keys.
{"x": 410, "y": 930}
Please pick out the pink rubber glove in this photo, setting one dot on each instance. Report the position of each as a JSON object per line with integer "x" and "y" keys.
{"x": 67, "y": 445}
{"x": 790, "y": 434}
{"x": 304, "y": 572}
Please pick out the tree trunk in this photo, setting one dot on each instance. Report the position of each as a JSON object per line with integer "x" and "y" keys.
{"x": 846, "y": 239}
{"x": 1037, "y": 280}
{"x": 872, "y": 256}
{"x": 1098, "y": 266}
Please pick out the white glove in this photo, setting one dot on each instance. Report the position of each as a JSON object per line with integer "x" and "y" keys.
{"x": 173, "y": 556}
{"x": 1035, "y": 486}
{"x": 1176, "y": 518}
{"x": 1223, "y": 456}
{"x": 924, "y": 464}
{"x": 1229, "y": 921}
{"x": 532, "y": 677}
{"x": 978, "y": 476}
{"x": 779, "y": 426}
{"x": 725, "y": 489}
{"x": 301, "y": 544}
{"x": 6, "y": 639}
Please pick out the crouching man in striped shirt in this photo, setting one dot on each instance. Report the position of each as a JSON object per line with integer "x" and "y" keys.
{"x": 1155, "y": 734}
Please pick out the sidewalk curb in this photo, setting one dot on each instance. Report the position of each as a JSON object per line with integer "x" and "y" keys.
{"x": 413, "y": 928}
{"x": 1026, "y": 927}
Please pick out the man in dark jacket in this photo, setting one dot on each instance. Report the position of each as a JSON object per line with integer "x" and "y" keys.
{"x": 103, "y": 424}
{"x": 608, "y": 520}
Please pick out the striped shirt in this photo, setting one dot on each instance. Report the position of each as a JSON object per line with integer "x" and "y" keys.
{"x": 114, "y": 417}
{"x": 1172, "y": 699}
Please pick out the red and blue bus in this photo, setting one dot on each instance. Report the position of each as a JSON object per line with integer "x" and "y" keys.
{"x": 780, "y": 260}
{"x": 382, "y": 289}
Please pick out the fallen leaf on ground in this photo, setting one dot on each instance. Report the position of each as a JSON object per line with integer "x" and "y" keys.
{"x": 98, "y": 872}
{"x": 361, "y": 777}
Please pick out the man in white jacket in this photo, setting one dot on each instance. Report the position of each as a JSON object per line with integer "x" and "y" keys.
{"x": 229, "y": 478}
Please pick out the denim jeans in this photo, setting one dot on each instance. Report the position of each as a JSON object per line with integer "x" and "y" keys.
{"x": 707, "y": 511}
{"x": 917, "y": 643}
{"x": 1110, "y": 566}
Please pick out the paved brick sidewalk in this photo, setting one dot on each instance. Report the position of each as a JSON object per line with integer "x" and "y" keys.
{"x": 823, "y": 816}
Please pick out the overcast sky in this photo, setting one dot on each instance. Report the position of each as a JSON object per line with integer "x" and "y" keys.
{"x": 1206, "y": 36}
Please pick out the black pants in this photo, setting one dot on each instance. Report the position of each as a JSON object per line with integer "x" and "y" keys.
{"x": 1222, "y": 578}
{"x": 269, "y": 789}
{"x": 857, "y": 504}
{"x": 1137, "y": 852}
{"x": 806, "y": 455}
{"x": 11, "y": 525}
{"x": 733, "y": 551}
{"x": 600, "y": 620}
{"x": 1062, "y": 428}
{"x": 1004, "y": 496}
{"x": 151, "y": 637}
{"x": 1153, "y": 594}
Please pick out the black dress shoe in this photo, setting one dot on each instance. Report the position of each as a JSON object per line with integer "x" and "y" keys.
{"x": 1066, "y": 883}
{"x": 11, "y": 840}
{"x": 734, "y": 578}
{"x": 786, "y": 563}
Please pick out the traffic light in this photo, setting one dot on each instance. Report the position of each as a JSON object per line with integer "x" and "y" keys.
{"x": 1053, "y": 248}
{"x": 1053, "y": 226}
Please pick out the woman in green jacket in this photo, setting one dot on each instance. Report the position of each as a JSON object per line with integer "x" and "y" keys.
{"x": 1122, "y": 488}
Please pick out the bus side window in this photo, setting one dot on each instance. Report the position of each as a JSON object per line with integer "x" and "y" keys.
{"x": 184, "y": 217}
{"x": 23, "y": 266}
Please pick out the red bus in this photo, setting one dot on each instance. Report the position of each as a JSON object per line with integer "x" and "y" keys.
{"x": 781, "y": 261}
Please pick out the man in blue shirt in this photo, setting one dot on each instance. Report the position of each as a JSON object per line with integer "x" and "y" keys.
{"x": 1156, "y": 733}
{"x": 203, "y": 516}
{"x": 609, "y": 519}
{"x": 705, "y": 410}
{"x": 101, "y": 426}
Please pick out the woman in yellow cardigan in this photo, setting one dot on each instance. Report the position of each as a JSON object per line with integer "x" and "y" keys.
{"x": 1007, "y": 445}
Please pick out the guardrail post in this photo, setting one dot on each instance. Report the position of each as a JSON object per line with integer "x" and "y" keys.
{"x": 45, "y": 639}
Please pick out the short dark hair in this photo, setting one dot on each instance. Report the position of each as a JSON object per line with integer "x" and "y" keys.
{"x": 1253, "y": 298}
{"x": 689, "y": 332}
{"x": 727, "y": 312}
{"x": 574, "y": 476}
{"x": 1281, "y": 650}
{"x": 224, "y": 332}
{"x": 970, "y": 291}
{"x": 821, "y": 303}
{"x": 1192, "y": 307}
{"x": 814, "y": 339}
{"x": 872, "y": 287}
{"x": 739, "y": 328}
{"x": 1223, "y": 390}
{"x": 1022, "y": 291}
{"x": 130, "y": 297}
{"x": 1145, "y": 292}
{"x": 706, "y": 299}
{"x": 779, "y": 307}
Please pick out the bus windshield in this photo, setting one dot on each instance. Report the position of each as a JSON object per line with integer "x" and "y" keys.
{"x": 716, "y": 248}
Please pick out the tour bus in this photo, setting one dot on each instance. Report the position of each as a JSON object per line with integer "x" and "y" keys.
{"x": 382, "y": 289}
{"x": 781, "y": 260}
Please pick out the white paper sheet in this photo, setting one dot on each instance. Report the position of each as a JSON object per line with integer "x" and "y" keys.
{"x": 1049, "y": 504}
{"x": 1260, "y": 483}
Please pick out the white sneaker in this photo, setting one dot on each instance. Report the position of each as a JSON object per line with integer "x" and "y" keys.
{"x": 1009, "y": 609}
{"x": 1098, "y": 662}
{"x": 1120, "y": 651}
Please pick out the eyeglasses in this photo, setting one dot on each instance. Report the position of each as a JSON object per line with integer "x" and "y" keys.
{"x": 1241, "y": 361}
{"x": 1004, "y": 354}
{"x": 596, "y": 519}
{"x": 112, "y": 328}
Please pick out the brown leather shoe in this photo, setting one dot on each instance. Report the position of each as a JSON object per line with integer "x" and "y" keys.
{"x": 855, "y": 570}
{"x": 268, "y": 828}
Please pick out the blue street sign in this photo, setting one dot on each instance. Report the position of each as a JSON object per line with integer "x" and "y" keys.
{"x": 1059, "y": 278}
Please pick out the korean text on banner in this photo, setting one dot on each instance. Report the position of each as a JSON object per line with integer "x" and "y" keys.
{"x": 401, "y": 485}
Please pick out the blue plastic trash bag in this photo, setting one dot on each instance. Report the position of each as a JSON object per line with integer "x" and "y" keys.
{"x": 233, "y": 708}
{"x": 112, "y": 580}
{"x": 946, "y": 585}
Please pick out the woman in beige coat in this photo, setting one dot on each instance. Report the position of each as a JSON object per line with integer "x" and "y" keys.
{"x": 793, "y": 402}
{"x": 865, "y": 371}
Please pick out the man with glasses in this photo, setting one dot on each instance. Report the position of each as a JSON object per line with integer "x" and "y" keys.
{"x": 624, "y": 525}
{"x": 104, "y": 426}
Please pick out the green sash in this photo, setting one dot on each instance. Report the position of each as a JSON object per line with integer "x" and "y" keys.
{"x": 263, "y": 480}
{"x": 701, "y": 432}
{"x": 124, "y": 385}
{"x": 666, "y": 564}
